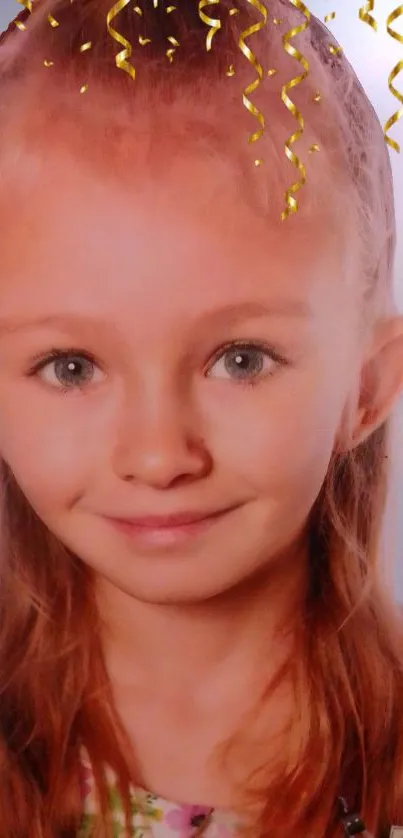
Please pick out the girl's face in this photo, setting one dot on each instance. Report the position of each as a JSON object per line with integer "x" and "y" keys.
{"x": 165, "y": 352}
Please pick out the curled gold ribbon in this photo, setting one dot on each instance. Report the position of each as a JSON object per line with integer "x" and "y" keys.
{"x": 214, "y": 23}
{"x": 27, "y": 4}
{"x": 395, "y": 72}
{"x": 122, "y": 57}
{"x": 247, "y": 52}
{"x": 171, "y": 51}
{"x": 292, "y": 205}
{"x": 365, "y": 14}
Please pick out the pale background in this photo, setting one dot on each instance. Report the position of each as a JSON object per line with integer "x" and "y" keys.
{"x": 373, "y": 56}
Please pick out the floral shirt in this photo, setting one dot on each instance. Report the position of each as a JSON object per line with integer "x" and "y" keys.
{"x": 152, "y": 816}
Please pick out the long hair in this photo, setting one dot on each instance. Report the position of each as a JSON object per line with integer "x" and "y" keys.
{"x": 347, "y": 671}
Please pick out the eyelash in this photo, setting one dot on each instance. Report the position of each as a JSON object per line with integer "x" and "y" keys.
{"x": 42, "y": 361}
{"x": 267, "y": 350}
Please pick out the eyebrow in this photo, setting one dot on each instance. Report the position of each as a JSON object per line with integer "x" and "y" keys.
{"x": 229, "y": 314}
{"x": 233, "y": 313}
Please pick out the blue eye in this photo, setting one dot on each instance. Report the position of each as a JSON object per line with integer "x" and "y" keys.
{"x": 68, "y": 370}
{"x": 245, "y": 362}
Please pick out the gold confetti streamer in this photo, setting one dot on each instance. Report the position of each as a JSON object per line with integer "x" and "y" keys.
{"x": 122, "y": 57}
{"x": 171, "y": 52}
{"x": 214, "y": 23}
{"x": 27, "y": 4}
{"x": 365, "y": 14}
{"x": 395, "y": 72}
{"x": 247, "y": 52}
{"x": 291, "y": 203}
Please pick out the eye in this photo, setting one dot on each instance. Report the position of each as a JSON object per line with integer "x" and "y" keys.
{"x": 67, "y": 370}
{"x": 245, "y": 362}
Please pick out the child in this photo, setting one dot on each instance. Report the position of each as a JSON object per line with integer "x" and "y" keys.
{"x": 195, "y": 637}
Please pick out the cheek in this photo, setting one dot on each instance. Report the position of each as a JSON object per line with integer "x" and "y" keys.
{"x": 46, "y": 453}
{"x": 280, "y": 441}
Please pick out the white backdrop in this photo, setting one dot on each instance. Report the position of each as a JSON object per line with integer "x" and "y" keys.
{"x": 373, "y": 55}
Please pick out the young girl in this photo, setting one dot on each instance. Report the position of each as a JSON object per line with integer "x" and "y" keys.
{"x": 194, "y": 397}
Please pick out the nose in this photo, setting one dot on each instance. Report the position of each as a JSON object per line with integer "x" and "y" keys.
{"x": 159, "y": 444}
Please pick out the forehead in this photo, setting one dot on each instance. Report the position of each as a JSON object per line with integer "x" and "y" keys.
{"x": 189, "y": 239}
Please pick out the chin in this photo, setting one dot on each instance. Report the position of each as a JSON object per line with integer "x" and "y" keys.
{"x": 202, "y": 569}
{"x": 163, "y": 589}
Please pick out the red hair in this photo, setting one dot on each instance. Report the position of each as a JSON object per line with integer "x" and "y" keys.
{"x": 348, "y": 664}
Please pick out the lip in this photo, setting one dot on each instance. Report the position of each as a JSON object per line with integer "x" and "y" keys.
{"x": 168, "y": 530}
{"x": 174, "y": 519}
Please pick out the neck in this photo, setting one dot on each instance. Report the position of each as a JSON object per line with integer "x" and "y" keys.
{"x": 174, "y": 649}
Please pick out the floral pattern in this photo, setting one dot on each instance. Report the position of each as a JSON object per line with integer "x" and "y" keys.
{"x": 152, "y": 816}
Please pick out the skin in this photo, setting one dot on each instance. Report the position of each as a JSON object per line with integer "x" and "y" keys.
{"x": 152, "y": 279}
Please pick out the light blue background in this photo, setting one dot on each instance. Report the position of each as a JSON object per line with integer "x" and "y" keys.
{"x": 373, "y": 55}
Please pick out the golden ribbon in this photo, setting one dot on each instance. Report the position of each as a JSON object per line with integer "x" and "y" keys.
{"x": 247, "y": 52}
{"x": 122, "y": 57}
{"x": 292, "y": 205}
{"x": 364, "y": 14}
{"x": 395, "y": 72}
{"x": 214, "y": 23}
{"x": 27, "y": 4}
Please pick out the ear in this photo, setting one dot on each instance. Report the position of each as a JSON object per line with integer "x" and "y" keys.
{"x": 381, "y": 381}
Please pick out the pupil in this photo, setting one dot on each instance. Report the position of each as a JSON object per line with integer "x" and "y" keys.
{"x": 244, "y": 362}
{"x": 73, "y": 370}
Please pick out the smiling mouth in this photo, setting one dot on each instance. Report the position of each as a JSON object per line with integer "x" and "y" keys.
{"x": 169, "y": 530}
